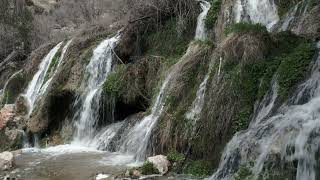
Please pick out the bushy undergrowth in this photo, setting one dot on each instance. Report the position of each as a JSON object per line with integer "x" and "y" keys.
{"x": 199, "y": 168}
{"x": 289, "y": 60}
{"x": 213, "y": 14}
{"x": 148, "y": 168}
{"x": 114, "y": 83}
{"x": 166, "y": 41}
{"x": 244, "y": 27}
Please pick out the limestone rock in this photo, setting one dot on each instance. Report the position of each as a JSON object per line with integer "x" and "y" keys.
{"x": 22, "y": 106}
{"x": 6, "y": 114}
{"x": 160, "y": 162}
{"x": 6, "y": 161}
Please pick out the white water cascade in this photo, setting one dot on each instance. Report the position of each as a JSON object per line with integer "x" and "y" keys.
{"x": 198, "y": 103}
{"x": 96, "y": 72}
{"x": 64, "y": 50}
{"x": 256, "y": 11}
{"x": 37, "y": 81}
{"x": 201, "y": 33}
{"x": 291, "y": 134}
{"x": 137, "y": 140}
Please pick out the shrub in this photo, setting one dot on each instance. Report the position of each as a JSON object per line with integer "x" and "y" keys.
{"x": 293, "y": 67}
{"x": 213, "y": 14}
{"x": 200, "y": 168}
{"x": 114, "y": 83}
{"x": 244, "y": 173}
{"x": 148, "y": 168}
{"x": 244, "y": 27}
{"x": 174, "y": 156}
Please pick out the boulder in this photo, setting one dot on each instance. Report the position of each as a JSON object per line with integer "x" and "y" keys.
{"x": 6, "y": 161}
{"x": 6, "y": 113}
{"x": 22, "y": 106}
{"x": 160, "y": 162}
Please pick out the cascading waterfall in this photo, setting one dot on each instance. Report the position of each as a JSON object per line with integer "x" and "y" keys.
{"x": 37, "y": 81}
{"x": 137, "y": 139}
{"x": 292, "y": 134}
{"x": 64, "y": 50}
{"x": 256, "y": 11}
{"x": 198, "y": 103}
{"x": 201, "y": 30}
{"x": 96, "y": 72}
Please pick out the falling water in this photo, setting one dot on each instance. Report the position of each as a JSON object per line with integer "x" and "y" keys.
{"x": 291, "y": 134}
{"x": 197, "y": 105}
{"x": 256, "y": 11}
{"x": 137, "y": 139}
{"x": 96, "y": 73}
{"x": 64, "y": 50}
{"x": 36, "y": 83}
{"x": 201, "y": 30}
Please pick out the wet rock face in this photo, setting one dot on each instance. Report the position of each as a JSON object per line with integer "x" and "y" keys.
{"x": 10, "y": 129}
{"x": 21, "y": 106}
{"x": 6, "y": 161}
{"x": 309, "y": 25}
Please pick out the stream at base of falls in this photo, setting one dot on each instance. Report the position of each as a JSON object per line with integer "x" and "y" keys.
{"x": 69, "y": 162}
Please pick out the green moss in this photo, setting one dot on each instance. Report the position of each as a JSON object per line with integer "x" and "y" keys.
{"x": 148, "y": 168}
{"x": 244, "y": 27}
{"x": 213, "y": 14}
{"x": 199, "y": 168}
{"x": 166, "y": 42}
{"x": 244, "y": 173}
{"x": 293, "y": 68}
{"x": 53, "y": 65}
{"x": 174, "y": 156}
{"x": 114, "y": 83}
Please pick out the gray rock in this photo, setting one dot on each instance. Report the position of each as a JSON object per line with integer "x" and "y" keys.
{"x": 6, "y": 161}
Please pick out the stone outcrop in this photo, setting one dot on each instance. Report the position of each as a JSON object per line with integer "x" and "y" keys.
{"x": 6, "y": 161}
{"x": 10, "y": 129}
{"x": 160, "y": 162}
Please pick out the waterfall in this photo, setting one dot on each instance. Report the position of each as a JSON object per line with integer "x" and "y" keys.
{"x": 292, "y": 134}
{"x": 201, "y": 30}
{"x": 64, "y": 50}
{"x": 137, "y": 139}
{"x": 256, "y": 11}
{"x": 198, "y": 103}
{"x": 96, "y": 72}
{"x": 37, "y": 81}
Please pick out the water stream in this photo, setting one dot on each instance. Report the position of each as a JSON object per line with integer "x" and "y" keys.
{"x": 256, "y": 11}
{"x": 201, "y": 33}
{"x": 33, "y": 89}
{"x": 96, "y": 72}
{"x": 64, "y": 50}
{"x": 290, "y": 134}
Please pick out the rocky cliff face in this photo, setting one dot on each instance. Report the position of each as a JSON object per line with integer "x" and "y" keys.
{"x": 237, "y": 68}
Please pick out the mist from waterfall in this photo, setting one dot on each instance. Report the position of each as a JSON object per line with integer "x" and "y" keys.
{"x": 291, "y": 134}
{"x": 256, "y": 11}
{"x": 33, "y": 89}
{"x": 86, "y": 117}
